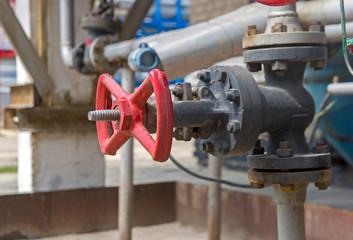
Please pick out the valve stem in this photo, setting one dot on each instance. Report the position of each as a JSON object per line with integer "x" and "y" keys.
{"x": 104, "y": 115}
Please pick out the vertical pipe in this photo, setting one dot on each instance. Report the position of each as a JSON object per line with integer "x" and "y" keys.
{"x": 214, "y": 195}
{"x": 290, "y": 212}
{"x": 67, "y": 31}
{"x": 126, "y": 170}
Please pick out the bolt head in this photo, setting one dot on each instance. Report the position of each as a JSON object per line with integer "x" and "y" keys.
{"x": 284, "y": 150}
{"x": 258, "y": 150}
{"x": 252, "y": 30}
{"x": 283, "y": 144}
{"x": 178, "y": 134}
{"x": 204, "y": 75}
{"x": 206, "y": 146}
{"x": 279, "y": 27}
{"x": 317, "y": 28}
{"x": 233, "y": 126}
{"x": 321, "y": 147}
{"x": 220, "y": 76}
{"x": 257, "y": 185}
{"x": 177, "y": 91}
{"x": 254, "y": 67}
{"x": 322, "y": 185}
{"x": 286, "y": 187}
{"x": 222, "y": 147}
{"x": 279, "y": 66}
{"x": 318, "y": 65}
{"x": 233, "y": 95}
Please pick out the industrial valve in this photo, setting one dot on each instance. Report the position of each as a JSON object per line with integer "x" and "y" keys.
{"x": 222, "y": 110}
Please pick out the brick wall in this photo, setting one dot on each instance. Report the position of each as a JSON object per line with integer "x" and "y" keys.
{"x": 202, "y": 10}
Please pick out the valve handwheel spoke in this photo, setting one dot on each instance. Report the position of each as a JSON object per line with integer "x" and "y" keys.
{"x": 131, "y": 111}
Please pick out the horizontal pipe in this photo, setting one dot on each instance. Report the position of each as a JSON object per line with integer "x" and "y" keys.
{"x": 324, "y": 11}
{"x": 198, "y": 46}
{"x": 67, "y": 39}
{"x": 345, "y": 88}
{"x": 202, "y": 45}
{"x": 334, "y": 32}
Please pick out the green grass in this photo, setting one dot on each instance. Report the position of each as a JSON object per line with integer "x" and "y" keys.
{"x": 8, "y": 170}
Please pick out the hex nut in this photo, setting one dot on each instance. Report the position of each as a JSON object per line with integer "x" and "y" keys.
{"x": 220, "y": 76}
{"x": 317, "y": 28}
{"x": 321, "y": 147}
{"x": 204, "y": 75}
{"x": 286, "y": 187}
{"x": 252, "y": 30}
{"x": 178, "y": 134}
{"x": 233, "y": 95}
{"x": 254, "y": 67}
{"x": 258, "y": 150}
{"x": 177, "y": 91}
{"x": 283, "y": 144}
{"x": 257, "y": 185}
{"x": 279, "y": 27}
{"x": 322, "y": 185}
{"x": 279, "y": 66}
{"x": 284, "y": 149}
{"x": 318, "y": 65}
{"x": 206, "y": 146}
{"x": 222, "y": 147}
{"x": 233, "y": 126}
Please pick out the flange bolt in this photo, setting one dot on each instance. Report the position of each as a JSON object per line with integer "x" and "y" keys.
{"x": 206, "y": 146}
{"x": 233, "y": 126}
{"x": 204, "y": 75}
{"x": 284, "y": 150}
{"x": 233, "y": 95}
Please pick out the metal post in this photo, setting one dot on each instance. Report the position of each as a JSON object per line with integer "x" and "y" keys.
{"x": 290, "y": 211}
{"x": 214, "y": 195}
{"x": 126, "y": 187}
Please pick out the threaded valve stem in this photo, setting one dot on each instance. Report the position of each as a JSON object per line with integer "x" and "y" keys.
{"x": 104, "y": 115}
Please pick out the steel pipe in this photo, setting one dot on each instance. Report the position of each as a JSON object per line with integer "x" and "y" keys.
{"x": 334, "y": 32}
{"x": 290, "y": 211}
{"x": 201, "y": 45}
{"x": 67, "y": 32}
{"x": 323, "y": 11}
{"x": 126, "y": 187}
{"x": 214, "y": 199}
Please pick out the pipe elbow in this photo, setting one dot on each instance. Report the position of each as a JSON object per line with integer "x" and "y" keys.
{"x": 67, "y": 55}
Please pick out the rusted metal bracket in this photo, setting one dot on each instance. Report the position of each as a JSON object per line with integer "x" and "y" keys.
{"x": 63, "y": 118}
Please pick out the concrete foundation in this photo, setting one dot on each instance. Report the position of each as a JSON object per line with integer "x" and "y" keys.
{"x": 56, "y": 159}
{"x": 59, "y": 160}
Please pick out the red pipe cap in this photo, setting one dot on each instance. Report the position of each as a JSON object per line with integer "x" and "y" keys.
{"x": 277, "y": 2}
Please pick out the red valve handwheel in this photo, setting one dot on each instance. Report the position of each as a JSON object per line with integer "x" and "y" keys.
{"x": 277, "y": 2}
{"x": 112, "y": 135}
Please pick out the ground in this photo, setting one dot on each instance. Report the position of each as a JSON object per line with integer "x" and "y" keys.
{"x": 170, "y": 231}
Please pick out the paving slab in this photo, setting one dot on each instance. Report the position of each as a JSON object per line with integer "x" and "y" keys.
{"x": 170, "y": 231}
